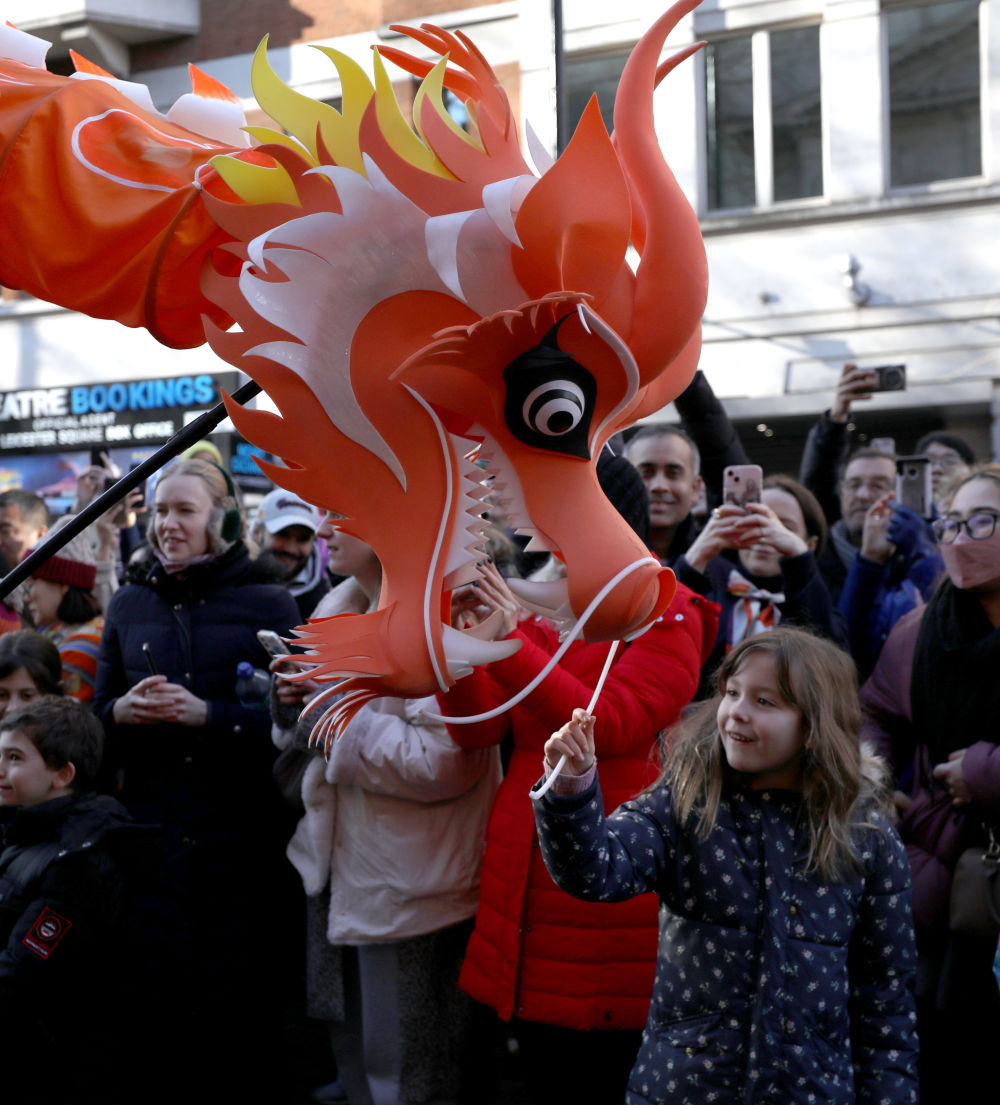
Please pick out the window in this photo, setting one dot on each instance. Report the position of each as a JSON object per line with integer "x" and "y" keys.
{"x": 796, "y": 147}
{"x": 762, "y": 100}
{"x": 586, "y": 75}
{"x": 729, "y": 111}
{"x": 934, "y": 92}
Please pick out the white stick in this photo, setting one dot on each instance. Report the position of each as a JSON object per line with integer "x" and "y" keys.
{"x": 553, "y": 660}
{"x": 544, "y": 788}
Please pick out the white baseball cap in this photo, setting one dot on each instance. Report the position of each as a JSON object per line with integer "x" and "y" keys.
{"x": 280, "y": 508}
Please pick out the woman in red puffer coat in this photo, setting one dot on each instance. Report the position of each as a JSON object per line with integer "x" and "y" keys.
{"x": 570, "y": 974}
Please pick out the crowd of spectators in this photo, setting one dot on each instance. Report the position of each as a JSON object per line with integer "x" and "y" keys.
{"x": 416, "y": 921}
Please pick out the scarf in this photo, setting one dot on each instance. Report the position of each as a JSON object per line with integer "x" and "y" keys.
{"x": 312, "y": 573}
{"x": 172, "y": 567}
{"x": 955, "y": 692}
{"x": 842, "y": 546}
{"x": 755, "y": 610}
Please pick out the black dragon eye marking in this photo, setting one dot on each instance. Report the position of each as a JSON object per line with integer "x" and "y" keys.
{"x": 549, "y": 400}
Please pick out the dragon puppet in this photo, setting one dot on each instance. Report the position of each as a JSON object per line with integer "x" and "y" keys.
{"x": 426, "y": 311}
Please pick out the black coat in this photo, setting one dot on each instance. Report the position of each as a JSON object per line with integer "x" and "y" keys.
{"x": 198, "y": 629}
{"x": 823, "y": 456}
{"x": 61, "y": 902}
{"x": 227, "y": 894}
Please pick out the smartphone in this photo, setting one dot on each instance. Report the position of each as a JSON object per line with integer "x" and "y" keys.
{"x": 741, "y": 484}
{"x": 884, "y": 445}
{"x": 889, "y": 377}
{"x": 117, "y": 517}
{"x": 274, "y": 645}
{"x": 147, "y": 653}
{"x": 142, "y": 505}
{"x": 913, "y": 484}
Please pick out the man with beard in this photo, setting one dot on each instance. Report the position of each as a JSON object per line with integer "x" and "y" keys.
{"x": 285, "y": 529}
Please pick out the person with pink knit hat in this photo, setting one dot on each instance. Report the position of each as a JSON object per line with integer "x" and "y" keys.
{"x": 63, "y": 604}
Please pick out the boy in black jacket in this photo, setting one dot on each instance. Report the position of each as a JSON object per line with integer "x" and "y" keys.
{"x": 61, "y": 897}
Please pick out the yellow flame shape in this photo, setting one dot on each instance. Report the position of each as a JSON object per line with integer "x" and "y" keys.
{"x": 302, "y": 117}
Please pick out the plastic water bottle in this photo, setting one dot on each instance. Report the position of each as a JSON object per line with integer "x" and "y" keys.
{"x": 253, "y": 686}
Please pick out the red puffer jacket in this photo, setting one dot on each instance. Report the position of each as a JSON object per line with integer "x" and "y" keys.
{"x": 536, "y": 952}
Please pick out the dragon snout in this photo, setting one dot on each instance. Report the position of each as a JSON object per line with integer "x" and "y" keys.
{"x": 643, "y": 592}
{"x": 609, "y": 609}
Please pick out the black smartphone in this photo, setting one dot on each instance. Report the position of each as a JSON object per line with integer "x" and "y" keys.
{"x": 889, "y": 377}
{"x": 142, "y": 505}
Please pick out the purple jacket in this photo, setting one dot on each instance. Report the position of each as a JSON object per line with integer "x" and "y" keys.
{"x": 933, "y": 831}
{"x": 885, "y": 699}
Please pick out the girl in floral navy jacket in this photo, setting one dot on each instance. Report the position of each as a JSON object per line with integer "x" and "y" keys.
{"x": 786, "y": 941}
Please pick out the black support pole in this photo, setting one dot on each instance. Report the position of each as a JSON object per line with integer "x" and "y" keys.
{"x": 562, "y": 103}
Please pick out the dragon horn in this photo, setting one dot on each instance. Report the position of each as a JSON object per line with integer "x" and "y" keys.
{"x": 673, "y": 271}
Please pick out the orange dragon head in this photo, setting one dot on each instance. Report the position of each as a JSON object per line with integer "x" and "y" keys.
{"x": 429, "y": 313}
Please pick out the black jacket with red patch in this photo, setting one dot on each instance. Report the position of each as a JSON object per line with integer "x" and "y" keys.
{"x": 62, "y": 901}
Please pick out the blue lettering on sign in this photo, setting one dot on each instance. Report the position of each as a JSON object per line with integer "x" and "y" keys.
{"x": 143, "y": 395}
{"x": 138, "y": 395}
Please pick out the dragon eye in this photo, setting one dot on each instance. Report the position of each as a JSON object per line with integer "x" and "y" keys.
{"x": 554, "y": 408}
{"x": 549, "y": 399}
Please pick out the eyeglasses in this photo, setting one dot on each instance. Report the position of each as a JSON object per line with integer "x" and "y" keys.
{"x": 946, "y": 461}
{"x": 876, "y": 484}
{"x": 979, "y": 527}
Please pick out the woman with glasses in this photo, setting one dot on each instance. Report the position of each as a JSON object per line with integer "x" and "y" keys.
{"x": 933, "y": 708}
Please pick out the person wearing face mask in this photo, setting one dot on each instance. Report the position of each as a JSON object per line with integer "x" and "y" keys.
{"x": 932, "y": 704}
{"x": 759, "y": 564}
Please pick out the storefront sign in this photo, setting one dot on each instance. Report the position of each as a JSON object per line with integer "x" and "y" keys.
{"x": 106, "y": 414}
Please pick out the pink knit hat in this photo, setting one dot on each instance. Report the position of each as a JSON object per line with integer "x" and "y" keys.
{"x": 74, "y": 564}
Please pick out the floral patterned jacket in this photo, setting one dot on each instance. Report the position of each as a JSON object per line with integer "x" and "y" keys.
{"x": 771, "y": 986}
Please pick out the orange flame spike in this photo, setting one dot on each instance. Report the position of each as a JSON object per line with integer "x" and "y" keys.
{"x": 208, "y": 87}
{"x": 584, "y": 189}
{"x": 460, "y": 83}
{"x": 84, "y": 65}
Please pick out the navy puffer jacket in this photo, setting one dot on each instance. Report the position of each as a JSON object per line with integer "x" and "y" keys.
{"x": 198, "y": 629}
{"x": 770, "y": 986}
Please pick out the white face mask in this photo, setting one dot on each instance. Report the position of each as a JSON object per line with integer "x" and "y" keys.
{"x": 972, "y": 565}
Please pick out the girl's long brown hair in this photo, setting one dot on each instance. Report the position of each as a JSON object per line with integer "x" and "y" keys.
{"x": 819, "y": 680}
